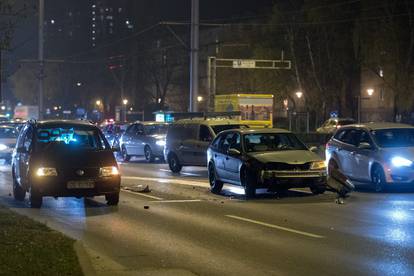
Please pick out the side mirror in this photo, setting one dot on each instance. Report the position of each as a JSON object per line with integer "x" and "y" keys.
{"x": 21, "y": 150}
{"x": 233, "y": 152}
{"x": 364, "y": 146}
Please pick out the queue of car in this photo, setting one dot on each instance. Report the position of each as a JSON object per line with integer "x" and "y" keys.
{"x": 75, "y": 158}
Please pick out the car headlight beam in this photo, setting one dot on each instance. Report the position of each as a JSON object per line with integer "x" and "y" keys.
{"x": 108, "y": 171}
{"x": 46, "y": 172}
{"x": 399, "y": 161}
{"x": 160, "y": 143}
{"x": 318, "y": 165}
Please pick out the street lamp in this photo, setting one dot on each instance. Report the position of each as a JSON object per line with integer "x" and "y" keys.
{"x": 200, "y": 99}
{"x": 98, "y": 102}
{"x": 125, "y": 102}
{"x": 370, "y": 92}
{"x": 299, "y": 94}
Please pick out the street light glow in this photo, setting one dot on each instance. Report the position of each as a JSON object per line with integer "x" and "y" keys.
{"x": 370, "y": 91}
{"x": 200, "y": 99}
{"x": 299, "y": 94}
{"x": 98, "y": 102}
{"x": 125, "y": 101}
{"x": 78, "y": 83}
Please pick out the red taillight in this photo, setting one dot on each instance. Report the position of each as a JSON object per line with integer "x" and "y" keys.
{"x": 338, "y": 126}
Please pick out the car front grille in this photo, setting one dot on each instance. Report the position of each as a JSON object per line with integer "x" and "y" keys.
{"x": 278, "y": 166}
{"x": 72, "y": 173}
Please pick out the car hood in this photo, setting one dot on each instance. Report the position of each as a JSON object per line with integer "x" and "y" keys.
{"x": 159, "y": 136}
{"x": 74, "y": 158}
{"x": 286, "y": 156}
{"x": 406, "y": 152}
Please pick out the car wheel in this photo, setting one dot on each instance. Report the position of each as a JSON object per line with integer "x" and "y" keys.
{"x": 125, "y": 156}
{"x": 148, "y": 154}
{"x": 174, "y": 163}
{"x": 35, "y": 199}
{"x": 18, "y": 192}
{"x": 112, "y": 199}
{"x": 215, "y": 184}
{"x": 378, "y": 179}
{"x": 249, "y": 183}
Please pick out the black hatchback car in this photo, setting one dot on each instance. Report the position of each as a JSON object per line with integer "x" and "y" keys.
{"x": 63, "y": 159}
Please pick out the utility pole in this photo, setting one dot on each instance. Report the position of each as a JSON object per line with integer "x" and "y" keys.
{"x": 194, "y": 62}
{"x": 41, "y": 56}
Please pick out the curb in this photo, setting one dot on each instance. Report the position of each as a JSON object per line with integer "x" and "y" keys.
{"x": 84, "y": 260}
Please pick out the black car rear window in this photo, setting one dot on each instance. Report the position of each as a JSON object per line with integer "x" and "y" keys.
{"x": 76, "y": 137}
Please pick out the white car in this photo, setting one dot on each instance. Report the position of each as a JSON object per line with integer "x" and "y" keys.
{"x": 8, "y": 137}
{"x": 381, "y": 154}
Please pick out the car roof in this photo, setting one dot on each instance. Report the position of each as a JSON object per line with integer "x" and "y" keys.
{"x": 341, "y": 119}
{"x": 378, "y": 125}
{"x": 65, "y": 122}
{"x": 150, "y": 123}
{"x": 258, "y": 130}
{"x": 210, "y": 121}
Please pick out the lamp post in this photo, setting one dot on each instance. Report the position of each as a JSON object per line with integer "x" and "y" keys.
{"x": 370, "y": 92}
{"x": 125, "y": 103}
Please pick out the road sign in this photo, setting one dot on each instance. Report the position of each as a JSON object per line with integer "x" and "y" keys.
{"x": 244, "y": 63}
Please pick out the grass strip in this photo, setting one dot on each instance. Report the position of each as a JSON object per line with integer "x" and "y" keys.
{"x": 28, "y": 247}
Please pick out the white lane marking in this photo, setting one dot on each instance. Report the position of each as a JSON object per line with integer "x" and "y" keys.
{"x": 141, "y": 194}
{"x": 178, "y": 201}
{"x": 168, "y": 180}
{"x": 183, "y": 173}
{"x": 276, "y": 227}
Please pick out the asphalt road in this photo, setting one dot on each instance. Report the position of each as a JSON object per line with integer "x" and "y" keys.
{"x": 180, "y": 228}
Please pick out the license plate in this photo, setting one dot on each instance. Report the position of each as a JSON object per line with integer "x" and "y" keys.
{"x": 86, "y": 184}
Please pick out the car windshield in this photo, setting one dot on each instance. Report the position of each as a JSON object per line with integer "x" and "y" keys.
{"x": 219, "y": 128}
{"x": 259, "y": 142}
{"x": 394, "y": 138}
{"x": 156, "y": 129}
{"x": 73, "y": 137}
{"x": 8, "y": 132}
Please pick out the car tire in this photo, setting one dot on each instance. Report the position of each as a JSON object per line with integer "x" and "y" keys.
{"x": 378, "y": 179}
{"x": 215, "y": 185}
{"x": 112, "y": 199}
{"x": 124, "y": 154}
{"x": 249, "y": 183}
{"x": 149, "y": 156}
{"x": 174, "y": 163}
{"x": 18, "y": 192}
{"x": 35, "y": 199}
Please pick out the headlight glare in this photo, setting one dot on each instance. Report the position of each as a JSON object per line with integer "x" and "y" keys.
{"x": 108, "y": 171}
{"x": 46, "y": 172}
{"x": 399, "y": 161}
{"x": 318, "y": 165}
{"x": 160, "y": 143}
{"x": 3, "y": 147}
